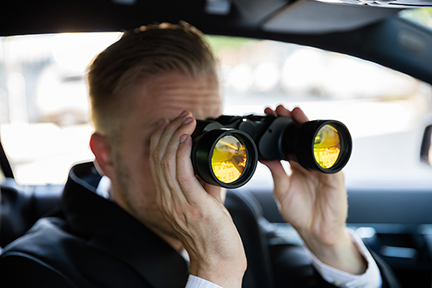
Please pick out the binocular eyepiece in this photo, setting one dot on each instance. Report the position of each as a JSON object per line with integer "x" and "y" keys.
{"x": 226, "y": 150}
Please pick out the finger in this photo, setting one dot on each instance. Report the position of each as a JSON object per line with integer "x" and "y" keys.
{"x": 186, "y": 179}
{"x": 163, "y": 182}
{"x": 169, "y": 161}
{"x": 282, "y": 111}
{"x": 158, "y": 179}
{"x": 214, "y": 191}
{"x": 280, "y": 178}
{"x": 299, "y": 169}
{"x": 299, "y": 116}
{"x": 168, "y": 132}
{"x": 162, "y": 165}
{"x": 186, "y": 128}
{"x": 269, "y": 111}
{"x": 157, "y": 134}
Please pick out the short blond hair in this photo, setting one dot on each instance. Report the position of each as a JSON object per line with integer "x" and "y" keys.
{"x": 139, "y": 54}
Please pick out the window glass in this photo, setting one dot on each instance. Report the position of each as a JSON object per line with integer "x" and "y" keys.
{"x": 421, "y": 16}
{"x": 44, "y": 108}
{"x": 384, "y": 110}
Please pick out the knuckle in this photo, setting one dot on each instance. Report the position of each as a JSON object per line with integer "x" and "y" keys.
{"x": 196, "y": 214}
{"x": 157, "y": 155}
{"x": 167, "y": 162}
{"x": 179, "y": 216}
{"x": 183, "y": 179}
{"x": 183, "y": 154}
{"x": 184, "y": 215}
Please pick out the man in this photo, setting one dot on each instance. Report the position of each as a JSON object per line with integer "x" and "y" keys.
{"x": 159, "y": 225}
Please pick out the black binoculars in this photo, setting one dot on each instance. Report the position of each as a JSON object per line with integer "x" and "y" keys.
{"x": 226, "y": 150}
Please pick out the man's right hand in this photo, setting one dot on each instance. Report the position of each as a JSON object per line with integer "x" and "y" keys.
{"x": 198, "y": 217}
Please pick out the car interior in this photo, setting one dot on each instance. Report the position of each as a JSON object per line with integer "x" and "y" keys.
{"x": 389, "y": 196}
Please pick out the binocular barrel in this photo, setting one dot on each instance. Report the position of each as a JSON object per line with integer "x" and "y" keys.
{"x": 226, "y": 150}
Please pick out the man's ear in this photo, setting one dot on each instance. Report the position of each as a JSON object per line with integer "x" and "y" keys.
{"x": 101, "y": 149}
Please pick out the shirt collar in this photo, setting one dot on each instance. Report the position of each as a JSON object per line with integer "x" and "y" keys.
{"x": 103, "y": 188}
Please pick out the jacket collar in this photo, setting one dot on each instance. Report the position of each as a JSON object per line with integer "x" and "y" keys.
{"x": 107, "y": 227}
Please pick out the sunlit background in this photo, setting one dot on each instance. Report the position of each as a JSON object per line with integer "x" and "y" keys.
{"x": 44, "y": 109}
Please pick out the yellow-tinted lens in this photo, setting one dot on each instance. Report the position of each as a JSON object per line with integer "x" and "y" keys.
{"x": 327, "y": 146}
{"x": 229, "y": 159}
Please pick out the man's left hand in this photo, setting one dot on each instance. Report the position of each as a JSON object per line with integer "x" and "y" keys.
{"x": 315, "y": 204}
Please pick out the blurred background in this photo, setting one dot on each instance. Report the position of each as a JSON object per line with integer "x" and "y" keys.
{"x": 44, "y": 108}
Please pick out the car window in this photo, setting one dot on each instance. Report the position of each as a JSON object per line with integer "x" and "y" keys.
{"x": 421, "y": 16}
{"x": 44, "y": 109}
{"x": 384, "y": 110}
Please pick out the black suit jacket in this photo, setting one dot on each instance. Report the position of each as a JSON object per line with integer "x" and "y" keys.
{"x": 91, "y": 242}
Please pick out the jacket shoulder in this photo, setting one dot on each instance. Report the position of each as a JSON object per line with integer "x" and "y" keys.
{"x": 23, "y": 270}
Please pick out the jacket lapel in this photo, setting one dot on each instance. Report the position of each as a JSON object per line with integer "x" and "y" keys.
{"x": 111, "y": 229}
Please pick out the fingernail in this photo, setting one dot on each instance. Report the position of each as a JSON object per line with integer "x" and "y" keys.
{"x": 183, "y": 138}
{"x": 184, "y": 113}
{"x": 187, "y": 120}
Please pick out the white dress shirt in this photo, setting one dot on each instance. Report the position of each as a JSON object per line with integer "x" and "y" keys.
{"x": 370, "y": 279}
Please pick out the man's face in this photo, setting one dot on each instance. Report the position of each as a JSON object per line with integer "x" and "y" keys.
{"x": 160, "y": 97}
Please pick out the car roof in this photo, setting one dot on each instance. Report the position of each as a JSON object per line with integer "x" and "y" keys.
{"x": 230, "y": 17}
{"x": 372, "y": 31}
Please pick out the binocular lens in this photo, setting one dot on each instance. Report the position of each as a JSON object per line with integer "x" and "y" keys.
{"x": 226, "y": 150}
{"x": 229, "y": 159}
{"x": 327, "y": 146}
{"x": 224, "y": 157}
